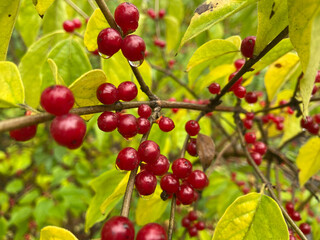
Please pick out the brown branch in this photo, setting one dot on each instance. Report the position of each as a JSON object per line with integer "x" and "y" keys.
{"x": 172, "y": 214}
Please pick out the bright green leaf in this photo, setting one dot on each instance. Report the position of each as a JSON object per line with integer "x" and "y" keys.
{"x": 8, "y": 15}
{"x": 176, "y": 8}
{"x": 54, "y": 69}
{"x": 20, "y": 215}
{"x": 55, "y": 16}
{"x": 42, "y": 5}
{"x": 3, "y": 227}
{"x": 12, "y": 90}
{"x": 14, "y": 186}
{"x": 308, "y": 160}
{"x": 172, "y": 33}
{"x": 251, "y": 216}
{"x": 56, "y": 233}
{"x": 272, "y": 19}
{"x": 304, "y": 32}
{"x": 210, "y": 13}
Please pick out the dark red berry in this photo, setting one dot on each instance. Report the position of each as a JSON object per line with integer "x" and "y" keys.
{"x": 107, "y": 93}
{"x": 185, "y": 222}
{"x": 166, "y": 124}
{"x": 171, "y": 63}
{"x": 68, "y": 26}
{"x": 127, "y": 125}
{"x": 251, "y": 97}
{"x": 314, "y": 90}
{"x": 245, "y": 190}
{"x": 200, "y": 225}
{"x": 181, "y": 167}
{"x": 127, "y": 91}
{"x": 317, "y": 79}
{"x": 295, "y": 216}
{"x": 237, "y": 83}
{"x": 109, "y": 42}
{"x": 214, "y": 88}
{"x": 250, "y": 115}
{"x": 148, "y": 151}
{"x": 280, "y": 126}
{"x": 133, "y": 48}
{"x": 68, "y": 130}
{"x": 239, "y": 63}
{"x": 307, "y": 122}
{"x": 77, "y": 23}
{"x": 185, "y": 194}
{"x": 193, "y": 231}
{"x": 316, "y": 118}
{"x": 57, "y": 100}
{"x": 314, "y": 128}
{"x": 192, "y": 147}
{"x": 160, "y": 166}
{"x": 260, "y": 147}
{"x": 192, "y": 127}
{"x": 198, "y": 179}
{"x": 127, "y": 159}
{"x": 152, "y": 231}
{"x": 108, "y": 121}
{"x": 144, "y": 111}
{"x": 305, "y": 228}
{"x": 143, "y": 125}
{"x": 247, "y": 123}
{"x": 118, "y": 228}
{"x": 24, "y": 134}
{"x": 162, "y": 12}
{"x": 145, "y": 183}
{"x": 151, "y": 13}
{"x": 247, "y": 46}
{"x": 169, "y": 183}
{"x": 239, "y": 91}
{"x": 290, "y": 208}
{"x": 126, "y": 16}
{"x": 192, "y": 216}
{"x": 257, "y": 158}
{"x": 159, "y": 43}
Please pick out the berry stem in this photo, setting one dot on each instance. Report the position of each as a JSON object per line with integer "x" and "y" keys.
{"x": 77, "y": 9}
{"x": 172, "y": 214}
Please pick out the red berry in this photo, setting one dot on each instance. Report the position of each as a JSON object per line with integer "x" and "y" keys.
{"x": 316, "y": 118}
{"x": 250, "y": 115}
{"x": 127, "y": 91}
{"x": 161, "y": 13}
{"x": 118, "y": 228}
{"x": 239, "y": 91}
{"x": 239, "y": 63}
{"x": 126, "y": 16}
{"x": 24, "y": 134}
{"x": 181, "y": 167}
{"x": 314, "y": 90}
{"x": 245, "y": 190}
{"x": 193, "y": 231}
{"x": 192, "y": 216}
{"x": 192, "y": 147}
{"x": 247, "y": 123}
{"x": 144, "y": 111}
{"x": 169, "y": 183}
{"x": 290, "y": 208}
{"x": 280, "y": 126}
{"x": 317, "y": 79}
{"x": 68, "y": 26}
{"x": 109, "y": 42}
{"x": 306, "y": 123}
{"x": 265, "y": 119}
{"x": 151, "y": 13}
{"x": 107, "y": 93}
{"x": 251, "y": 97}
{"x": 108, "y": 121}
{"x": 159, "y": 43}
{"x": 68, "y": 130}
{"x": 260, "y": 147}
{"x": 77, "y": 23}
{"x": 247, "y": 46}
{"x": 314, "y": 128}
{"x": 166, "y": 124}
{"x": 291, "y": 237}
{"x": 185, "y": 222}
{"x": 143, "y": 125}
{"x": 171, "y": 63}
{"x": 160, "y": 166}
{"x": 57, "y": 100}
{"x": 240, "y": 183}
{"x": 127, "y": 125}
{"x": 192, "y": 127}
{"x": 214, "y": 88}
{"x": 148, "y": 151}
{"x": 145, "y": 183}
{"x": 127, "y": 159}
{"x": 185, "y": 194}
{"x": 233, "y": 176}
{"x": 198, "y": 179}
{"x": 305, "y": 228}
{"x": 256, "y": 157}
{"x": 200, "y": 225}
{"x": 133, "y": 48}
{"x": 250, "y": 137}
{"x": 152, "y": 231}
{"x": 237, "y": 83}
{"x": 295, "y": 216}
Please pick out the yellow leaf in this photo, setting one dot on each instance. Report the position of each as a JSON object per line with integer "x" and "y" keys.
{"x": 308, "y": 160}
{"x": 54, "y": 69}
{"x": 146, "y": 74}
{"x": 43, "y": 5}
{"x": 291, "y": 127}
{"x": 97, "y": 22}
{"x": 56, "y": 233}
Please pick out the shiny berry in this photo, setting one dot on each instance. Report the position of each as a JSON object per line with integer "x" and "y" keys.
{"x": 24, "y": 134}
{"x": 127, "y": 91}
{"x": 144, "y": 111}
{"x": 290, "y": 207}
{"x": 307, "y": 122}
{"x": 118, "y": 228}
{"x": 260, "y": 147}
{"x": 247, "y": 123}
{"x": 109, "y": 42}
{"x": 251, "y": 97}
{"x": 169, "y": 183}
{"x": 250, "y": 137}
{"x": 314, "y": 128}
{"x": 108, "y": 121}
{"x": 151, "y": 13}
{"x": 145, "y": 183}
{"x": 247, "y": 46}
{"x": 295, "y": 216}
{"x": 200, "y": 225}
{"x": 198, "y": 179}
{"x": 127, "y": 125}
{"x": 152, "y": 231}
{"x": 192, "y": 215}
{"x": 107, "y": 93}
{"x": 181, "y": 167}
{"x": 239, "y": 63}
{"x": 148, "y": 151}
{"x": 143, "y": 125}
{"x": 316, "y": 118}
{"x": 193, "y": 231}
{"x": 237, "y": 83}
{"x": 166, "y": 124}
{"x": 250, "y": 115}
{"x": 214, "y": 88}
{"x": 239, "y": 91}
{"x": 185, "y": 194}
{"x": 68, "y": 26}
{"x": 256, "y": 157}
{"x": 161, "y": 13}
{"x": 57, "y": 100}
{"x": 185, "y": 222}
{"x": 192, "y": 147}
{"x": 279, "y": 126}
{"x": 127, "y": 159}
{"x": 160, "y": 166}
{"x": 192, "y": 127}
{"x": 305, "y": 228}
{"x": 133, "y": 48}
{"x": 126, "y": 16}
{"x": 68, "y": 130}
{"x": 77, "y": 23}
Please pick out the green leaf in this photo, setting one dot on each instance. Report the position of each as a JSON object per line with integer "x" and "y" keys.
{"x": 14, "y": 186}
{"x": 55, "y": 16}
{"x": 29, "y": 197}
{"x": 8, "y": 15}
{"x": 103, "y": 186}
{"x": 250, "y": 217}
{"x": 54, "y": 69}
{"x": 56, "y": 233}
{"x": 31, "y": 64}
{"x": 304, "y": 32}
{"x": 308, "y": 160}
{"x": 172, "y": 33}
{"x": 150, "y": 210}
{"x": 272, "y": 19}
{"x": 3, "y": 227}
{"x": 176, "y": 9}
{"x": 42, "y": 5}
{"x": 279, "y": 72}
{"x": 12, "y": 90}
{"x": 42, "y": 209}
{"x": 19, "y": 215}
{"x": 210, "y": 13}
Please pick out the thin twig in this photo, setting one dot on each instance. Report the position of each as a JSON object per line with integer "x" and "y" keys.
{"x": 92, "y": 5}
{"x": 172, "y": 214}
{"x": 77, "y": 9}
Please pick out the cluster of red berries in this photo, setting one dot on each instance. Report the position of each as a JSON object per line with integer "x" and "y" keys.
{"x": 67, "y": 129}
{"x": 192, "y": 147}
{"x": 121, "y": 228}
{"x": 25, "y": 133}
{"x": 316, "y": 81}
{"x": 192, "y": 225}
{"x": 70, "y": 26}
{"x": 240, "y": 184}
{"x": 110, "y": 40}
{"x": 277, "y": 120}
{"x": 152, "y": 14}
{"x": 311, "y": 124}
{"x": 257, "y": 149}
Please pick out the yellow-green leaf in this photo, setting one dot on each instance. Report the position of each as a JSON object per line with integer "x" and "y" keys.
{"x": 279, "y": 72}
{"x": 42, "y": 6}
{"x": 54, "y": 17}
{"x": 150, "y": 209}
{"x": 172, "y": 33}
{"x": 96, "y": 23}
{"x": 146, "y": 73}
{"x": 56, "y": 233}
{"x": 8, "y": 15}
{"x": 250, "y": 217}
{"x": 272, "y": 19}
{"x": 176, "y": 8}
{"x": 54, "y": 69}
{"x": 210, "y": 13}
{"x": 304, "y": 32}
{"x": 11, "y": 90}
{"x": 291, "y": 127}
{"x": 308, "y": 160}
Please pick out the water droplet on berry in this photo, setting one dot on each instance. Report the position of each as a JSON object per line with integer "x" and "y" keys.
{"x": 104, "y": 55}
{"x": 136, "y": 63}
{"x": 146, "y": 197}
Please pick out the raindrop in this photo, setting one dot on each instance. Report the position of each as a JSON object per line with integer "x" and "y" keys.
{"x": 104, "y": 55}
{"x": 136, "y": 63}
